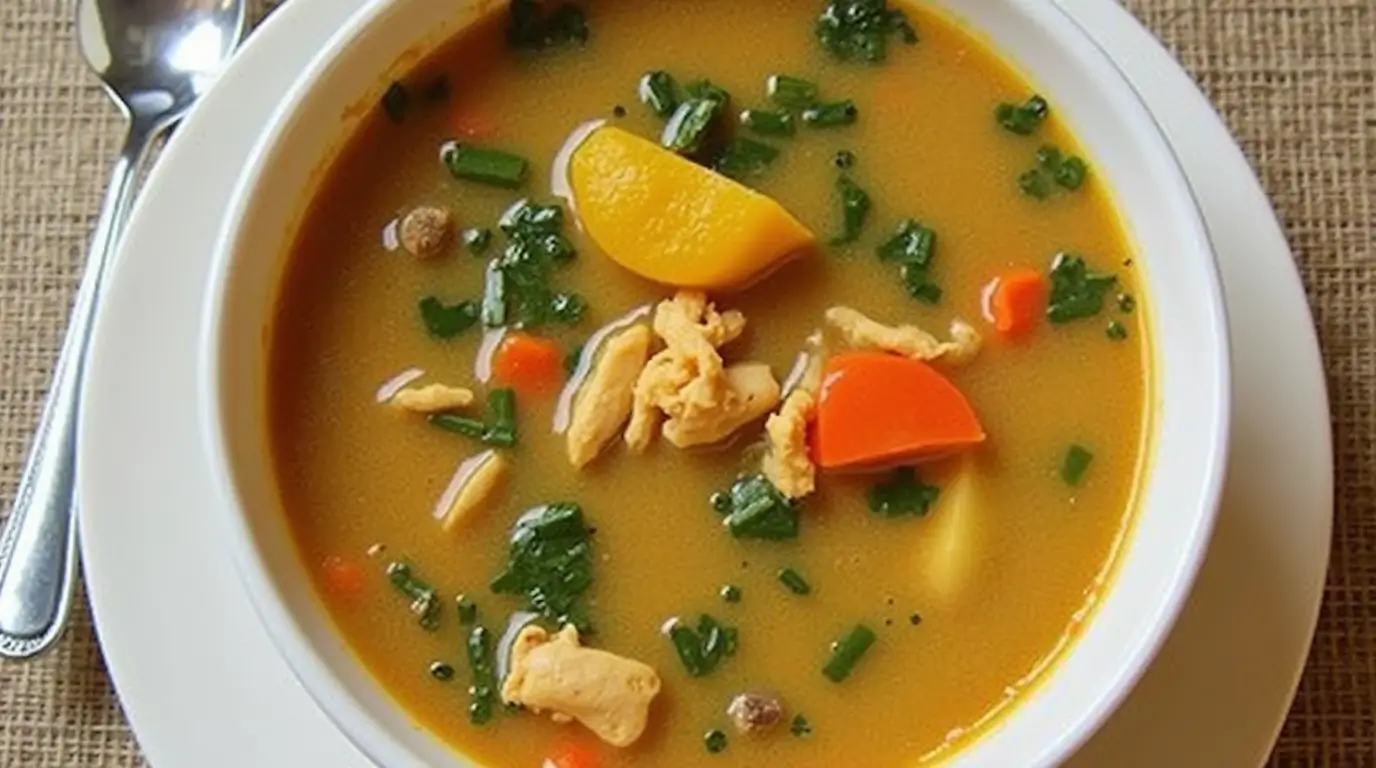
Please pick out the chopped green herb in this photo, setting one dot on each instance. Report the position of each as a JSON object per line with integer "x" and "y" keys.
{"x": 441, "y": 671}
{"x": 768, "y": 122}
{"x": 1049, "y": 157}
{"x": 460, "y": 425}
{"x": 714, "y": 740}
{"x": 482, "y": 694}
{"x": 446, "y": 322}
{"x": 477, "y": 240}
{"x": 702, "y": 88}
{"x": 567, "y": 308}
{"x": 1075, "y": 291}
{"x": 755, "y": 509}
{"x": 1023, "y": 119}
{"x": 831, "y": 114}
{"x": 1071, "y": 173}
{"x": 468, "y": 611}
{"x": 794, "y": 581}
{"x": 493, "y": 167}
{"x": 659, "y": 92}
{"x": 1034, "y": 185}
{"x": 912, "y": 246}
{"x": 800, "y": 727}
{"x": 518, "y": 291}
{"x": 790, "y": 92}
{"x": 1126, "y": 303}
{"x": 425, "y": 602}
{"x": 688, "y": 127}
{"x": 702, "y": 649}
{"x": 902, "y": 494}
{"x": 1116, "y": 331}
{"x": 529, "y": 29}
{"x": 501, "y": 418}
{"x": 844, "y": 159}
{"x": 745, "y": 158}
{"x": 1077, "y": 461}
{"x": 549, "y": 562}
{"x": 731, "y": 593}
{"x": 855, "y": 208}
{"x": 572, "y": 359}
{"x": 860, "y": 29}
{"x": 847, "y": 651}
{"x": 396, "y": 102}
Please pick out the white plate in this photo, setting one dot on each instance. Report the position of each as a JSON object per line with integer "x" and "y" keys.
{"x": 203, "y": 686}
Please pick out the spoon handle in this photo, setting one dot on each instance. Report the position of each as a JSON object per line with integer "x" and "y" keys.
{"x": 38, "y": 547}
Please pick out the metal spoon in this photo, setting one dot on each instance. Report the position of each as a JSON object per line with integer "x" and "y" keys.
{"x": 155, "y": 58}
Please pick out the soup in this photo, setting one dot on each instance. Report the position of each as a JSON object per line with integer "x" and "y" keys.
{"x": 749, "y": 384}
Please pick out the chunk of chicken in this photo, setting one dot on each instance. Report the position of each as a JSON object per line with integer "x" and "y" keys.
{"x": 787, "y": 462}
{"x": 751, "y": 391}
{"x": 604, "y": 402}
{"x": 425, "y": 230}
{"x": 477, "y": 482}
{"x": 433, "y": 398}
{"x": 860, "y": 331}
{"x": 608, "y": 694}
{"x": 688, "y": 382}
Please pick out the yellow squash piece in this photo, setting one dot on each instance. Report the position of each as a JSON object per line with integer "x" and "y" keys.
{"x": 675, "y": 222}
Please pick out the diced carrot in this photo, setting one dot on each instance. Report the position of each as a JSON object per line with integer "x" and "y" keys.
{"x": 343, "y": 578}
{"x": 471, "y": 123}
{"x": 574, "y": 754}
{"x": 531, "y": 365}
{"x": 879, "y": 410}
{"x": 1018, "y": 302}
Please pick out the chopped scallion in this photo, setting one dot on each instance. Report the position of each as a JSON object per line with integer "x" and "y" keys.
{"x": 790, "y": 92}
{"x": 688, "y": 127}
{"x": 844, "y": 159}
{"x": 768, "y": 122}
{"x": 1117, "y": 331}
{"x": 1033, "y": 184}
{"x": 903, "y": 494}
{"x": 483, "y": 692}
{"x": 468, "y": 610}
{"x": 715, "y": 740}
{"x": 477, "y": 240}
{"x": 459, "y": 425}
{"x": 441, "y": 671}
{"x": 1022, "y": 119}
{"x": 1076, "y": 463}
{"x": 731, "y": 593}
{"x": 1075, "y": 291}
{"x": 800, "y": 727}
{"x": 860, "y": 29}
{"x": 446, "y": 322}
{"x": 745, "y": 158}
{"x": 659, "y": 92}
{"x": 855, "y": 208}
{"x": 831, "y": 114}
{"x": 425, "y": 602}
{"x": 493, "y": 167}
{"x": 501, "y": 418}
{"x": 794, "y": 581}
{"x": 846, "y": 652}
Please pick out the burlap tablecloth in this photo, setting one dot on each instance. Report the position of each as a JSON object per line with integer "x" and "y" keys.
{"x": 1295, "y": 79}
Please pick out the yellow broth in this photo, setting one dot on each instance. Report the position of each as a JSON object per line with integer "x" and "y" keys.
{"x": 354, "y": 474}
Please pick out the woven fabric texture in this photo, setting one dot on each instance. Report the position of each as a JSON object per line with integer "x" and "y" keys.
{"x": 1294, "y": 79}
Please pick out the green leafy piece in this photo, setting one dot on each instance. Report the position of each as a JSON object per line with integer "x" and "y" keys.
{"x": 702, "y": 650}
{"x": 846, "y": 652}
{"x": 1075, "y": 291}
{"x": 1071, "y": 173}
{"x": 493, "y": 167}
{"x": 731, "y": 593}
{"x": 745, "y": 158}
{"x": 501, "y": 418}
{"x": 912, "y": 247}
{"x": 459, "y": 425}
{"x": 790, "y": 92}
{"x": 705, "y": 89}
{"x": 447, "y": 321}
{"x": 902, "y": 495}
{"x": 425, "y": 603}
{"x": 755, "y": 509}
{"x": 769, "y": 122}
{"x": 1126, "y": 303}
{"x": 689, "y": 126}
{"x": 1023, "y": 119}
{"x": 396, "y": 102}
{"x": 1049, "y": 158}
{"x": 468, "y": 610}
{"x": 844, "y": 159}
{"x": 1116, "y": 331}
{"x": 855, "y": 209}
{"x": 794, "y": 582}
{"x": 800, "y": 727}
{"x": 518, "y": 288}
{"x": 1076, "y": 464}
{"x": 659, "y": 92}
{"x": 482, "y": 694}
{"x": 528, "y": 28}
{"x": 1033, "y": 184}
{"x": 477, "y": 240}
{"x": 715, "y": 740}
{"x": 549, "y": 562}
{"x": 831, "y": 114}
{"x": 859, "y": 30}
{"x": 919, "y": 286}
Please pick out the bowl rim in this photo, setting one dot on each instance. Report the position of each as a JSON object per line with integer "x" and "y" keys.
{"x": 379, "y": 743}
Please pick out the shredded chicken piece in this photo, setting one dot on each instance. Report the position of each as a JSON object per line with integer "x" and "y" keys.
{"x": 688, "y": 382}
{"x": 608, "y": 694}
{"x": 433, "y": 398}
{"x": 908, "y": 340}
{"x": 487, "y": 473}
{"x": 787, "y": 463}
{"x": 604, "y": 402}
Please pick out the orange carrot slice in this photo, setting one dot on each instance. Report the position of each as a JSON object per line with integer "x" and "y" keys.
{"x": 531, "y": 365}
{"x": 1018, "y": 302}
{"x": 573, "y": 754}
{"x": 343, "y": 579}
{"x": 880, "y": 410}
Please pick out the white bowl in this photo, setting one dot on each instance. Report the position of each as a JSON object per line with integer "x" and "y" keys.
{"x": 1155, "y": 569}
